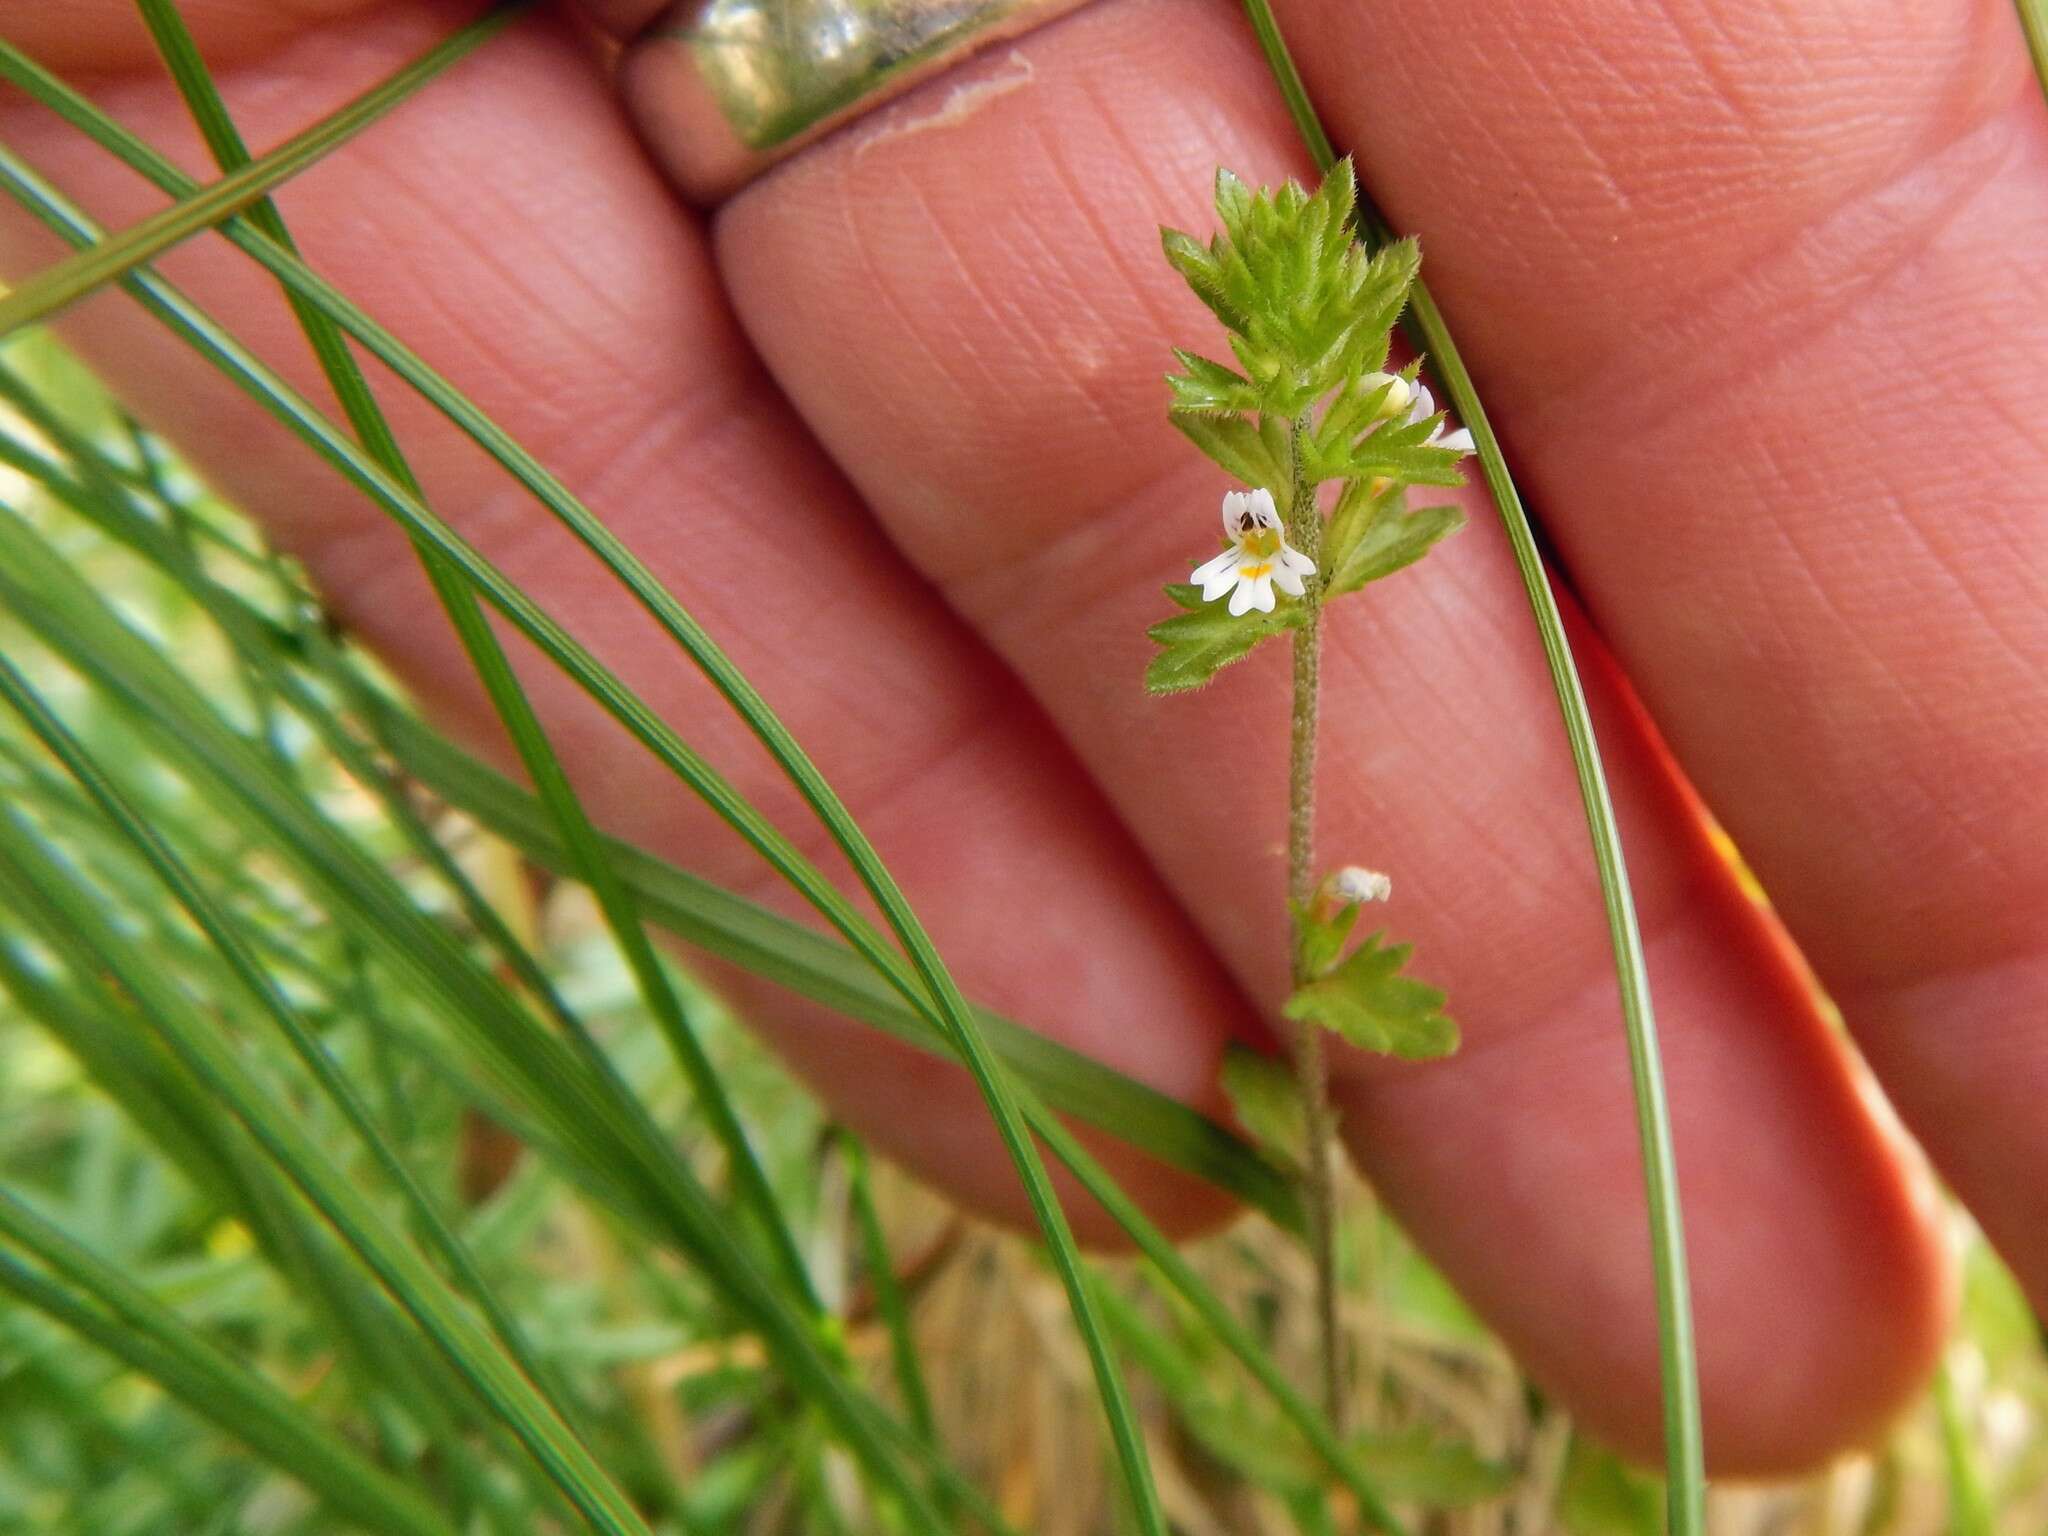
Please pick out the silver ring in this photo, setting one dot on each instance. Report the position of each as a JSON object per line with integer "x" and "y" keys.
{"x": 722, "y": 89}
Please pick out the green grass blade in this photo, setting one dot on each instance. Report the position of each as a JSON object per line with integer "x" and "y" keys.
{"x": 693, "y": 909}
{"x": 989, "y": 1076}
{"x": 147, "y": 1337}
{"x": 227, "y": 939}
{"x": 880, "y": 1266}
{"x": 816, "y": 967}
{"x": 2034, "y": 22}
{"x": 487, "y": 656}
{"x": 92, "y": 269}
{"x": 1685, "y": 1464}
{"x": 588, "y": 1112}
{"x": 72, "y": 925}
{"x": 1233, "y": 1334}
{"x": 1969, "y": 1502}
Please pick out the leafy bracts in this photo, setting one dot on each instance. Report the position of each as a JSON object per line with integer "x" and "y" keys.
{"x": 1307, "y": 309}
{"x": 1309, "y": 316}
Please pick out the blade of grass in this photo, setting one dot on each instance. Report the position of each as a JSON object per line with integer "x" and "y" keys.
{"x": 695, "y": 910}
{"x": 1314, "y": 1427}
{"x": 91, "y": 269}
{"x": 147, "y": 1337}
{"x": 154, "y": 1091}
{"x": 1969, "y": 1503}
{"x": 895, "y": 1314}
{"x": 515, "y": 711}
{"x": 989, "y": 1075}
{"x": 587, "y": 1112}
{"x": 227, "y": 939}
{"x": 1685, "y": 1467}
{"x": 733, "y": 927}
{"x": 816, "y": 967}
{"x": 2034, "y": 22}
{"x": 73, "y": 926}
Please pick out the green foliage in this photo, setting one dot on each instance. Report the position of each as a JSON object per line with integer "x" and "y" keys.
{"x": 1207, "y": 637}
{"x": 1372, "y": 535}
{"x": 1267, "y": 1102}
{"x": 1319, "y": 937}
{"x": 1309, "y": 315}
{"x": 1307, "y": 309}
{"x": 1365, "y": 998}
{"x": 1254, "y": 450}
{"x": 1600, "y": 1495}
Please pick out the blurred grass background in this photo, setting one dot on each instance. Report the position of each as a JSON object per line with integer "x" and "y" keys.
{"x": 960, "y": 1328}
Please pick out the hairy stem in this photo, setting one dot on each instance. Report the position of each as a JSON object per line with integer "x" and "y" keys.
{"x": 1305, "y": 533}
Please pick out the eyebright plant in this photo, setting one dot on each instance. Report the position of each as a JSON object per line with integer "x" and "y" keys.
{"x": 1310, "y": 417}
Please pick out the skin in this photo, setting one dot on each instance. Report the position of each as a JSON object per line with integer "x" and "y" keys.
{"x": 1747, "y": 286}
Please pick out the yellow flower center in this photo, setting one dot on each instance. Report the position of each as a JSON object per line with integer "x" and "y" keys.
{"x": 1262, "y": 542}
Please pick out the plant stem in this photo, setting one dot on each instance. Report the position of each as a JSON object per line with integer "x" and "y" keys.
{"x": 1311, "y": 1069}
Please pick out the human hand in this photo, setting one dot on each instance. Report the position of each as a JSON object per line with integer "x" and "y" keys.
{"x": 1751, "y": 298}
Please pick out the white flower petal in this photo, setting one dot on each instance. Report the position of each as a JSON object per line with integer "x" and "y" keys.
{"x": 1425, "y": 404}
{"x": 1357, "y": 886}
{"x": 1287, "y": 579}
{"x": 1262, "y": 594}
{"x": 1233, "y": 506}
{"x": 1461, "y": 440}
{"x": 1241, "y": 599}
{"x": 1262, "y": 503}
{"x": 1399, "y": 392}
{"x": 1294, "y": 560}
{"x": 1212, "y": 572}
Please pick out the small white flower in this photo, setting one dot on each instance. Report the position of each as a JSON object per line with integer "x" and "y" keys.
{"x": 1413, "y": 402}
{"x": 1258, "y": 560}
{"x": 1424, "y": 406}
{"x": 1399, "y": 392}
{"x": 1354, "y": 886}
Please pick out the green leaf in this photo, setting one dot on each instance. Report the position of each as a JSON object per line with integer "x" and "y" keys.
{"x": 1236, "y": 443}
{"x": 1389, "y": 450}
{"x": 1192, "y": 260}
{"x": 1370, "y": 535}
{"x": 1267, "y": 1101}
{"x": 1201, "y": 642}
{"x": 1209, "y": 386}
{"x": 1321, "y": 939}
{"x": 1307, "y": 308}
{"x": 1371, "y": 1004}
{"x": 1358, "y": 406}
{"x": 1599, "y": 1496}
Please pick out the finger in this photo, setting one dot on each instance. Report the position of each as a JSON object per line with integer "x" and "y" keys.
{"x": 1008, "y": 333}
{"x": 1772, "y": 355}
{"x": 108, "y": 37}
{"x": 504, "y": 223}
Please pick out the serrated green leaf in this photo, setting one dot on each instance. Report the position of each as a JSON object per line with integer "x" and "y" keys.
{"x": 1237, "y": 444}
{"x": 1395, "y": 451}
{"x": 1209, "y": 386}
{"x": 1199, "y": 643}
{"x": 1306, "y": 306}
{"x": 1356, "y": 408}
{"x": 1193, "y": 261}
{"x": 1321, "y": 939}
{"x": 1371, "y": 1004}
{"x": 1371, "y": 536}
{"x": 1266, "y": 1098}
